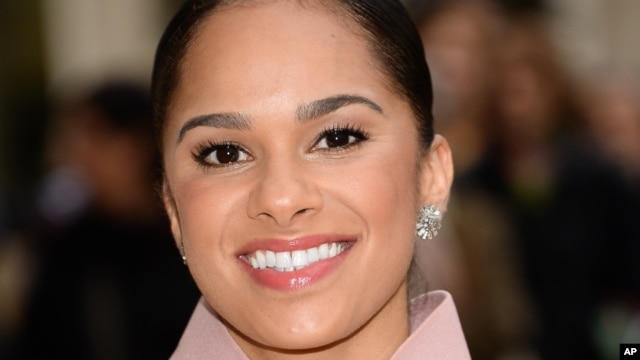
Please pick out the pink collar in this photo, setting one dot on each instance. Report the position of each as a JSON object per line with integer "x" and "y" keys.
{"x": 435, "y": 333}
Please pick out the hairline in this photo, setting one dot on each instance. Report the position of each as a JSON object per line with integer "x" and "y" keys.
{"x": 346, "y": 18}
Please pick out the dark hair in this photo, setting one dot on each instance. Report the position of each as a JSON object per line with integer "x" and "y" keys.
{"x": 386, "y": 25}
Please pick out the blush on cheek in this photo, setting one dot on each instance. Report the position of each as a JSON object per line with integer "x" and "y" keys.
{"x": 390, "y": 184}
{"x": 385, "y": 194}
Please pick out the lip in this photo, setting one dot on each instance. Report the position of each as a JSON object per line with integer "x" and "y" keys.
{"x": 297, "y": 279}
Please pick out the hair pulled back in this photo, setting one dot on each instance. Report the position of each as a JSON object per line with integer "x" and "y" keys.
{"x": 387, "y": 27}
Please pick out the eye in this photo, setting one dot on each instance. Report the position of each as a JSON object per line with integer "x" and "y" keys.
{"x": 218, "y": 155}
{"x": 338, "y": 138}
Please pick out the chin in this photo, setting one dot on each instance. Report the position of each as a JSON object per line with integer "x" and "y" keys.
{"x": 295, "y": 335}
{"x": 304, "y": 341}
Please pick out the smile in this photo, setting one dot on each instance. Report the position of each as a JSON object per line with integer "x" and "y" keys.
{"x": 288, "y": 261}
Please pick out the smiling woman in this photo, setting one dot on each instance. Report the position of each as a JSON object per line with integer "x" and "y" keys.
{"x": 298, "y": 150}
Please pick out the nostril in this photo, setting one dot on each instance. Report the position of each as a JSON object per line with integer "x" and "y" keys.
{"x": 283, "y": 198}
{"x": 302, "y": 211}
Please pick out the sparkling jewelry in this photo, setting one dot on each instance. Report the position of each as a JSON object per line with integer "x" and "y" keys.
{"x": 184, "y": 257}
{"x": 429, "y": 222}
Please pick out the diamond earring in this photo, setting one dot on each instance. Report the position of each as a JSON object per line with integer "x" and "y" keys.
{"x": 429, "y": 222}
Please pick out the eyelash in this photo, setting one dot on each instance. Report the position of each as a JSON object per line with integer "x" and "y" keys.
{"x": 203, "y": 151}
{"x": 357, "y": 132}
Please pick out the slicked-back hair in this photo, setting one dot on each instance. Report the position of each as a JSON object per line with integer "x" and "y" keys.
{"x": 386, "y": 26}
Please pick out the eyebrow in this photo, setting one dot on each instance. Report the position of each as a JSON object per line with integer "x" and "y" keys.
{"x": 232, "y": 121}
{"x": 304, "y": 113}
{"x": 319, "y": 108}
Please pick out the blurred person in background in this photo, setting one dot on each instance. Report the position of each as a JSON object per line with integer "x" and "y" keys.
{"x": 612, "y": 104}
{"x": 612, "y": 109}
{"x": 15, "y": 265}
{"x": 572, "y": 213}
{"x": 475, "y": 258}
{"x": 460, "y": 39}
{"x": 109, "y": 283}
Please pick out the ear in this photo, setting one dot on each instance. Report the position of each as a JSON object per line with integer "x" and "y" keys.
{"x": 436, "y": 174}
{"x": 172, "y": 213}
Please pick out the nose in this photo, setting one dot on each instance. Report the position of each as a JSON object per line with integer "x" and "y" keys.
{"x": 284, "y": 192}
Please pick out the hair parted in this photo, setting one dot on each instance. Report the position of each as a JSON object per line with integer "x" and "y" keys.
{"x": 388, "y": 29}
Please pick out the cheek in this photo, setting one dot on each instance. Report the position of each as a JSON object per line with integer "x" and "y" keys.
{"x": 388, "y": 199}
{"x": 384, "y": 194}
{"x": 205, "y": 211}
{"x": 387, "y": 190}
{"x": 209, "y": 211}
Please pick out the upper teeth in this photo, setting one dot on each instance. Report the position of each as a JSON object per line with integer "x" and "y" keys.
{"x": 294, "y": 260}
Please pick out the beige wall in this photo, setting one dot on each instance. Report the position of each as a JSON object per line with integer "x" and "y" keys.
{"x": 598, "y": 35}
{"x": 88, "y": 40}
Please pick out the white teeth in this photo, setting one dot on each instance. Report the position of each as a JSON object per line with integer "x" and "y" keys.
{"x": 313, "y": 255}
{"x": 286, "y": 269}
{"x": 290, "y": 261}
{"x": 283, "y": 259}
{"x": 271, "y": 258}
{"x": 333, "y": 249}
{"x": 299, "y": 258}
{"x": 262, "y": 261}
{"x": 323, "y": 251}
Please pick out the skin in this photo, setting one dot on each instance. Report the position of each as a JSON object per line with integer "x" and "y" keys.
{"x": 273, "y": 60}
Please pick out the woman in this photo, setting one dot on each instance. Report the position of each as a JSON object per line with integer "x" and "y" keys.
{"x": 298, "y": 150}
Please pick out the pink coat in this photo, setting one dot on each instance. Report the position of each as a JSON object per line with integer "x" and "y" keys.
{"x": 436, "y": 333}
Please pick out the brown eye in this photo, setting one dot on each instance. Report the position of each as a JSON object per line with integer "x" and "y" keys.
{"x": 221, "y": 155}
{"x": 340, "y": 138}
{"x": 225, "y": 154}
{"x": 337, "y": 139}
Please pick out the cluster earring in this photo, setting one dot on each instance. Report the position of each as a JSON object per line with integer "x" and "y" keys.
{"x": 429, "y": 222}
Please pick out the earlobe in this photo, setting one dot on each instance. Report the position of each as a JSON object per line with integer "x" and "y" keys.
{"x": 172, "y": 213}
{"x": 437, "y": 174}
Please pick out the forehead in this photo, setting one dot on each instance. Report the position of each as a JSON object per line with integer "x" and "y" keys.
{"x": 264, "y": 18}
{"x": 274, "y": 48}
{"x": 249, "y": 30}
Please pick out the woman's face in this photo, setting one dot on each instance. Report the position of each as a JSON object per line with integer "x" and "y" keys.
{"x": 285, "y": 146}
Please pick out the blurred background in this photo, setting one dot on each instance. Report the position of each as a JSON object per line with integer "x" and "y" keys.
{"x": 88, "y": 268}
{"x": 539, "y": 100}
